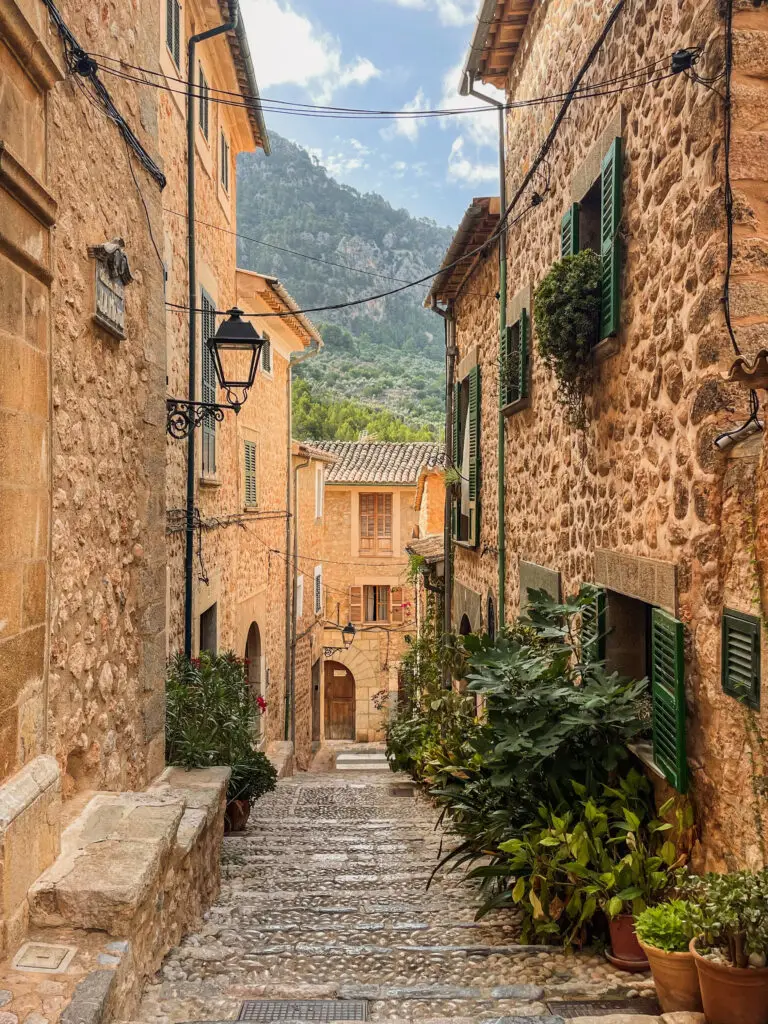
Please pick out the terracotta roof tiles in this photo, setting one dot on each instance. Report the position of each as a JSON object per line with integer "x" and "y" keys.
{"x": 380, "y": 462}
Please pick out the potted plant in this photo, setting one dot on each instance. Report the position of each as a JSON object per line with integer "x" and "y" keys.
{"x": 731, "y": 953}
{"x": 665, "y": 932}
{"x": 210, "y": 719}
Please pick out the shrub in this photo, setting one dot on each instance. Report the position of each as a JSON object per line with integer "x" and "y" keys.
{"x": 567, "y": 315}
{"x": 670, "y": 926}
{"x": 735, "y": 916}
{"x": 211, "y": 718}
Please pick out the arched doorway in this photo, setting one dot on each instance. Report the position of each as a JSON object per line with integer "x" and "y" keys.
{"x": 253, "y": 660}
{"x": 339, "y": 702}
{"x": 465, "y": 626}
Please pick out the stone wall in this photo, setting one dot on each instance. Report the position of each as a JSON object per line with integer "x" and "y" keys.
{"x": 644, "y": 479}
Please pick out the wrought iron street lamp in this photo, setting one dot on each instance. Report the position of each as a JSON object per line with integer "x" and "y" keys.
{"x": 239, "y": 337}
{"x": 347, "y": 636}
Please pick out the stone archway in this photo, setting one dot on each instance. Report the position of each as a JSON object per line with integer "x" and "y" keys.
{"x": 253, "y": 660}
{"x": 363, "y": 666}
{"x": 465, "y": 627}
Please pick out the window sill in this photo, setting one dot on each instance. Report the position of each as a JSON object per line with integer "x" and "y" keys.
{"x": 467, "y": 545}
{"x": 210, "y": 481}
{"x": 605, "y": 349}
{"x": 513, "y": 407}
{"x": 643, "y": 751}
{"x": 248, "y": 508}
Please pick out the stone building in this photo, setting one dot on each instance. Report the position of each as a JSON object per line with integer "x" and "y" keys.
{"x": 640, "y": 501}
{"x": 370, "y": 517}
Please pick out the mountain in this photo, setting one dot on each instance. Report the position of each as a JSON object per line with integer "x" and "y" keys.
{"x": 388, "y": 354}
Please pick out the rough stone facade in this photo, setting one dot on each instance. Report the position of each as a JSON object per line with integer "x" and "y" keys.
{"x": 644, "y": 480}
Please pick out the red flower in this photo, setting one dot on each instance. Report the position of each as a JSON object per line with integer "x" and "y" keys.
{"x": 262, "y": 704}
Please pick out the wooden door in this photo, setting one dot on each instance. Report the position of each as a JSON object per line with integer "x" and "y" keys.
{"x": 339, "y": 702}
{"x": 316, "y": 702}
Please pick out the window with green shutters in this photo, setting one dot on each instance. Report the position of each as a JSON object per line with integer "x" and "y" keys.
{"x": 173, "y": 30}
{"x": 473, "y": 511}
{"x": 209, "y": 390}
{"x": 668, "y": 692}
{"x": 569, "y": 231}
{"x": 249, "y": 467}
{"x": 202, "y": 100}
{"x": 514, "y": 361}
{"x": 465, "y": 511}
{"x": 593, "y": 628}
{"x": 740, "y": 658}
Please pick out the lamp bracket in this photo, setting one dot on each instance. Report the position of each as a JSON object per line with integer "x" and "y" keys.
{"x": 184, "y": 416}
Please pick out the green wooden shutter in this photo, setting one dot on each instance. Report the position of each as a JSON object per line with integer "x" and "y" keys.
{"x": 169, "y": 33}
{"x": 740, "y": 658}
{"x": 203, "y": 101}
{"x": 177, "y": 33}
{"x": 569, "y": 231}
{"x": 668, "y": 691}
{"x": 610, "y": 246}
{"x": 522, "y": 357}
{"x": 474, "y": 455}
{"x": 456, "y": 447}
{"x": 249, "y": 456}
{"x": 593, "y": 628}
{"x": 209, "y": 391}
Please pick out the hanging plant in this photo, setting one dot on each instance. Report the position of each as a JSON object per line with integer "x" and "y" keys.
{"x": 567, "y": 311}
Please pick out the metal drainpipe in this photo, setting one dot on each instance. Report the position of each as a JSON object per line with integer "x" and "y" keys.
{"x": 450, "y": 361}
{"x": 189, "y": 554}
{"x": 295, "y": 357}
{"x": 501, "y": 448}
{"x": 295, "y": 617}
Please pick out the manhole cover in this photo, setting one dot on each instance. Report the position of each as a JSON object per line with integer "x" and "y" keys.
{"x": 266, "y": 1010}
{"x": 603, "y": 1007}
{"x": 43, "y": 957}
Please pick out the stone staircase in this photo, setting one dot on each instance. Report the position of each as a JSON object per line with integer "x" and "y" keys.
{"x": 364, "y": 760}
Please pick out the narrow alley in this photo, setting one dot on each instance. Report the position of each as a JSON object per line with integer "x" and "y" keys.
{"x": 324, "y": 897}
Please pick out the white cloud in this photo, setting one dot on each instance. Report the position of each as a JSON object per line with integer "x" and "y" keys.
{"x": 462, "y": 168}
{"x": 408, "y": 127}
{"x": 449, "y": 12}
{"x": 482, "y": 128}
{"x": 288, "y": 49}
{"x": 338, "y": 163}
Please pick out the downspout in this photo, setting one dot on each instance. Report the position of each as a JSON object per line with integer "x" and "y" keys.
{"x": 501, "y": 448}
{"x": 189, "y": 553}
{"x": 295, "y": 617}
{"x": 295, "y": 357}
{"x": 450, "y": 364}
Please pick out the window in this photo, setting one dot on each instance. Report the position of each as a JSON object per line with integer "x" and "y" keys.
{"x": 319, "y": 491}
{"x": 266, "y": 355}
{"x": 465, "y": 505}
{"x": 318, "y": 589}
{"x": 375, "y": 522}
{"x": 224, "y": 164}
{"x": 593, "y": 224}
{"x": 202, "y": 99}
{"x": 249, "y": 465}
{"x": 376, "y": 603}
{"x": 514, "y": 363}
{"x": 741, "y": 658}
{"x": 208, "y": 630}
{"x": 299, "y": 595}
{"x": 209, "y": 389}
{"x": 173, "y": 30}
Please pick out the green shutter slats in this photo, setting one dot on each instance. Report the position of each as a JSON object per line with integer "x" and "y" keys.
{"x": 668, "y": 691}
{"x": 593, "y": 628}
{"x": 740, "y": 658}
{"x": 169, "y": 34}
{"x": 522, "y": 361}
{"x": 514, "y": 366}
{"x": 456, "y": 447}
{"x": 249, "y": 455}
{"x": 177, "y": 33}
{"x": 209, "y": 390}
{"x": 474, "y": 455}
{"x": 203, "y": 101}
{"x": 610, "y": 247}
{"x": 569, "y": 231}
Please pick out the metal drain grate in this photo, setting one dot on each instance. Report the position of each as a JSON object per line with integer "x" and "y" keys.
{"x": 603, "y": 1007}
{"x": 402, "y": 789}
{"x": 265, "y": 1011}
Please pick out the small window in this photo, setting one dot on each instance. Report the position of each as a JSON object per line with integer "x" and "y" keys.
{"x": 266, "y": 355}
{"x": 376, "y": 604}
{"x": 376, "y": 522}
{"x": 224, "y": 164}
{"x": 299, "y": 595}
{"x": 209, "y": 388}
{"x": 514, "y": 362}
{"x": 173, "y": 30}
{"x": 208, "y": 630}
{"x": 465, "y": 505}
{"x": 249, "y": 460}
{"x": 319, "y": 491}
{"x": 741, "y": 658}
{"x": 202, "y": 100}
{"x": 318, "y": 589}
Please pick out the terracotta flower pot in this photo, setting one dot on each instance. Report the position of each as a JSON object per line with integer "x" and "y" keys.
{"x": 626, "y": 952}
{"x": 676, "y": 979}
{"x": 236, "y": 815}
{"x": 732, "y": 995}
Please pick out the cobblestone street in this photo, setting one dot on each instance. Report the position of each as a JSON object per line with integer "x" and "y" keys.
{"x": 325, "y": 896}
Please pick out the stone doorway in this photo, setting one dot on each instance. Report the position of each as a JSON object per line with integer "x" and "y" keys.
{"x": 339, "y": 702}
{"x": 253, "y": 660}
{"x": 316, "y": 703}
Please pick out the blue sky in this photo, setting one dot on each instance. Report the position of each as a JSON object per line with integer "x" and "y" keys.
{"x": 385, "y": 54}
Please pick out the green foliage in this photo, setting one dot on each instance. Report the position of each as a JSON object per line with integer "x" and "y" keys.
{"x": 211, "y": 719}
{"x": 567, "y": 314}
{"x": 326, "y": 419}
{"x": 393, "y": 346}
{"x": 670, "y": 926}
{"x": 735, "y": 916}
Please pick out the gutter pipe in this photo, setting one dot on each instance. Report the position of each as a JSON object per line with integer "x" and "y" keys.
{"x": 468, "y": 89}
{"x": 450, "y": 364}
{"x": 289, "y": 725}
{"x": 189, "y": 552}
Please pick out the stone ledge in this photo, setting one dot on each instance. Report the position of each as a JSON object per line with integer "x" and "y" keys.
{"x": 280, "y": 753}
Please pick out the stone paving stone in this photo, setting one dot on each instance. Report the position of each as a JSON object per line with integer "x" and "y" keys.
{"x": 325, "y": 896}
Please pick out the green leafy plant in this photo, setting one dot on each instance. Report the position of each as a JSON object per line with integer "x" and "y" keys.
{"x": 567, "y": 315}
{"x": 735, "y": 926}
{"x": 211, "y": 719}
{"x": 670, "y": 926}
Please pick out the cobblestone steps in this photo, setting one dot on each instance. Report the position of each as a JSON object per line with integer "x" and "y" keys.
{"x": 325, "y": 896}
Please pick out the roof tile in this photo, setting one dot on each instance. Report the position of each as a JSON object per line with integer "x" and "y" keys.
{"x": 380, "y": 462}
